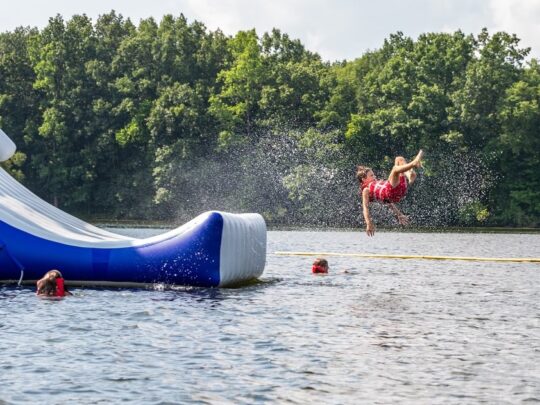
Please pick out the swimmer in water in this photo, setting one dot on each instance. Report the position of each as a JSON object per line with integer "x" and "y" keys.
{"x": 320, "y": 266}
{"x": 52, "y": 285}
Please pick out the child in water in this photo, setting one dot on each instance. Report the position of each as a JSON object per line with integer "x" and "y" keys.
{"x": 52, "y": 285}
{"x": 320, "y": 266}
{"x": 389, "y": 191}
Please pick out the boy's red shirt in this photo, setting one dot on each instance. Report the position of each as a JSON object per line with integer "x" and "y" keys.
{"x": 382, "y": 190}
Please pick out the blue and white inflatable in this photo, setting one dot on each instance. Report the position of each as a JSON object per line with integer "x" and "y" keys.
{"x": 214, "y": 249}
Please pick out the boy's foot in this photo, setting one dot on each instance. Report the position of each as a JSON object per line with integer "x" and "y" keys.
{"x": 417, "y": 161}
{"x": 411, "y": 176}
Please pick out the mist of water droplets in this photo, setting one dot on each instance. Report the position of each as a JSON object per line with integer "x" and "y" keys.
{"x": 291, "y": 183}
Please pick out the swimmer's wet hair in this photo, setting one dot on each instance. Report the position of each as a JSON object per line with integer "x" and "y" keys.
{"x": 54, "y": 272}
{"x": 320, "y": 262}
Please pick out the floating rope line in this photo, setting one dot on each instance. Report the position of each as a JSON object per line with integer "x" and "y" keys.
{"x": 415, "y": 257}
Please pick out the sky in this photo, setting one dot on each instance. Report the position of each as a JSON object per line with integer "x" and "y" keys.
{"x": 336, "y": 29}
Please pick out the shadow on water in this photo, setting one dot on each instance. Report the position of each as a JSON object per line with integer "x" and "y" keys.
{"x": 255, "y": 283}
{"x": 10, "y": 292}
{"x": 172, "y": 293}
{"x": 197, "y": 294}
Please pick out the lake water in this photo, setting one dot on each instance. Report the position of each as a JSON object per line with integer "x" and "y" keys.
{"x": 388, "y": 331}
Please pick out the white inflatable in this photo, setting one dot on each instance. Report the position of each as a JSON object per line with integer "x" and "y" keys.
{"x": 7, "y": 147}
{"x": 214, "y": 249}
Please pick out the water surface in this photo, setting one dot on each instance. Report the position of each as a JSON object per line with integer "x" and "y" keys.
{"x": 387, "y": 331}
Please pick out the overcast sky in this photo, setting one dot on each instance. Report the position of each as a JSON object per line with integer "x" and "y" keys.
{"x": 336, "y": 29}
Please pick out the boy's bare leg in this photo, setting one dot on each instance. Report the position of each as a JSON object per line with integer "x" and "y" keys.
{"x": 410, "y": 174}
{"x": 401, "y": 166}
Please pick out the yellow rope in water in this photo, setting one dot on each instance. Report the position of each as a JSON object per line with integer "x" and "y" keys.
{"x": 422, "y": 257}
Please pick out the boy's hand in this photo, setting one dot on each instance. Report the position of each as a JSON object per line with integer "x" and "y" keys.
{"x": 403, "y": 219}
{"x": 370, "y": 229}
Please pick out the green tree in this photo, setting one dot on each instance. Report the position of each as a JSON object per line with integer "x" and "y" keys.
{"x": 293, "y": 92}
{"x": 18, "y": 100}
{"x": 236, "y": 104}
{"x": 487, "y": 77}
{"x": 517, "y": 194}
{"x": 111, "y": 30}
{"x": 62, "y": 160}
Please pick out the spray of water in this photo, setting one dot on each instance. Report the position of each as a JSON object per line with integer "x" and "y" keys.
{"x": 451, "y": 190}
{"x": 296, "y": 180}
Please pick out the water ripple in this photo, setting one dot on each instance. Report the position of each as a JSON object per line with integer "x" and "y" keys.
{"x": 386, "y": 332}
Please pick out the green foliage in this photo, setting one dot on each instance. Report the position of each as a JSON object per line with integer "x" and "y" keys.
{"x": 473, "y": 214}
{"x": 519, "y": 145}
{"x": 236, "y": 105}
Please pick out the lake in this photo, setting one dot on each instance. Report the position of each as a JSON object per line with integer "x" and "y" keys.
{"x": 373, "y": 331}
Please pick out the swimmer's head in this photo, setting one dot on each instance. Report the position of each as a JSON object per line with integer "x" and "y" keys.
{"x": 320, "y": 265}
{"x": 53, "y": 274}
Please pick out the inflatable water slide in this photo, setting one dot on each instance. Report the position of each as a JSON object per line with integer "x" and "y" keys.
{"x": 215, "y": 249}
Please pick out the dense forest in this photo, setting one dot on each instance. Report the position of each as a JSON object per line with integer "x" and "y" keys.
{"x": 164, "y": 120}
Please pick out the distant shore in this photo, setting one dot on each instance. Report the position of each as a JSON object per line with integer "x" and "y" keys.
{"x": 276, "y": 227}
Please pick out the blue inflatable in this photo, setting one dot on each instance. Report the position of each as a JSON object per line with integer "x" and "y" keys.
{"x": 214, "y": 249}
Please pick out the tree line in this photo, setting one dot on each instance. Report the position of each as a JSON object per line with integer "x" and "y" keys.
{"x": 163, "y": 120}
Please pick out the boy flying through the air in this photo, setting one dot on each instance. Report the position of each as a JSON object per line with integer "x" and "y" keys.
{"x": 389, "y": 191}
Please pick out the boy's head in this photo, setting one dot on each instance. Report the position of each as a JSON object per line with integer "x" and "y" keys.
{"x": 364, "y": 173}
{"x": 320, "y": 265}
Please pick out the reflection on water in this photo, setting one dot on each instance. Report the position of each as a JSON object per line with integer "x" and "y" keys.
{"x": 388, "y": 331}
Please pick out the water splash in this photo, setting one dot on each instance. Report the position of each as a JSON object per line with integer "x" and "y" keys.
{"x": 294, "y": 179}
{"x": 450, "y": 184}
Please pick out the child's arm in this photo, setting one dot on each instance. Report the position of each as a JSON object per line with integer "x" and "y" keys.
{"x": 402, "y": 219}
{"x": 370, "y": 228}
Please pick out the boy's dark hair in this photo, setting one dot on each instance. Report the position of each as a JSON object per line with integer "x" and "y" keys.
{"x": 320, "y": 262}
{"x": 361, "y": 172}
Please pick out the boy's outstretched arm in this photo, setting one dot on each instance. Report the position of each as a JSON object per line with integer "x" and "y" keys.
{"x": 370, "y": 228}
{"x": 402, "y": 219}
